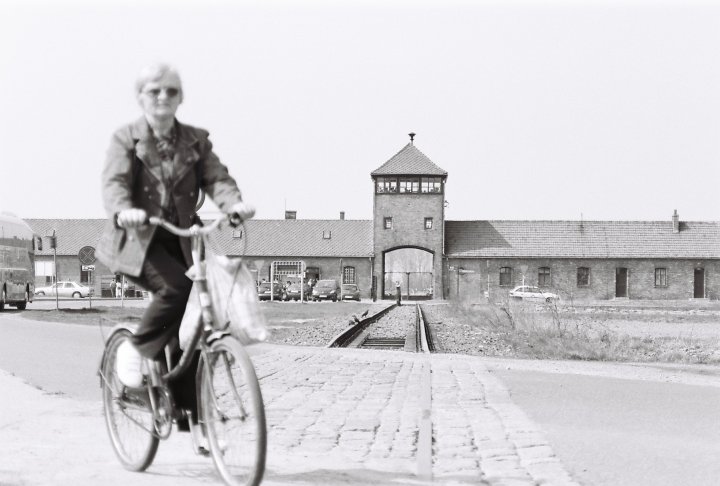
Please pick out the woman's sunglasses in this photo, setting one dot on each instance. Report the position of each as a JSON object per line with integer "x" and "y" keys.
{"x": 169, "y": 92}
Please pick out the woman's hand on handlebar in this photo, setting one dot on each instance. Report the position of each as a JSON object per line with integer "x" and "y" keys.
{"x": 131, "y": 218}
{"x": 241, "y": 211}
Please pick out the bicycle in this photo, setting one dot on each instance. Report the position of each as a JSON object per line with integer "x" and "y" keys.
{"x": 230, "y": 408}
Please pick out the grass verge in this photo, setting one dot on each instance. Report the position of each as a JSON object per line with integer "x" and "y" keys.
{"x": 520, "y": 330}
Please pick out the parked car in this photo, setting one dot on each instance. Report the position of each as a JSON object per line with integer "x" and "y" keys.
{"x": 293, "y": 291}
{"x": 326, "y": 290}
{"x": 65, "y": 289}
{"x": 350, "y": 292}
{"x": 531, "y": 293}
{"x": 265, "y": 291}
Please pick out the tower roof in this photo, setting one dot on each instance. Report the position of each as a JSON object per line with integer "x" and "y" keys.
{"x": 409, "y": 161}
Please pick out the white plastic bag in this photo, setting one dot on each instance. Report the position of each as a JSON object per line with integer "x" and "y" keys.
{"x": 234, "y": 299}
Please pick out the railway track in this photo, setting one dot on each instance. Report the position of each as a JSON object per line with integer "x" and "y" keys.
{"x": 395, "y": 327}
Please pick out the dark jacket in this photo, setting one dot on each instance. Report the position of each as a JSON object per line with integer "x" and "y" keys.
{"x": 132, "y": 178}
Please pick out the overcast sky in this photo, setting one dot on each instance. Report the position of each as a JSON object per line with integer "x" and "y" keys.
{"x": 537, "y": 110}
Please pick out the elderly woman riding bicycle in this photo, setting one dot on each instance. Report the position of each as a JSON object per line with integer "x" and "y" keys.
{"x": 157, "y": 166}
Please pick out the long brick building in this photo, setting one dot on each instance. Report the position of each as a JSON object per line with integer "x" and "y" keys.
{"x": 409, "y": 244}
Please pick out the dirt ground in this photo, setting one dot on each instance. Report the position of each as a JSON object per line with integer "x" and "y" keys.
{"x": 644, "y": 331}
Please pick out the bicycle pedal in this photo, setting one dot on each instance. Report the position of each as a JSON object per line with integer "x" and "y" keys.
{"x": 201, "y": 451}
{"x": 135, "y": 397}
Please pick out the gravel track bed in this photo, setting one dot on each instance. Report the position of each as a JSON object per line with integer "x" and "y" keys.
{"x": 605, "y": 333}
{"x": 314, "y": 331}
{"x": 397, "y": 323}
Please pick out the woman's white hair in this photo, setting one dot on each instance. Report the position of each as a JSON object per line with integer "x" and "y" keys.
{"x": 154, "y": 72}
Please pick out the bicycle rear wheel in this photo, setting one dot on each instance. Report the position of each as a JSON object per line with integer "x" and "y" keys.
{"x": 128, "y": 415}
{"x": 232, "y": 413}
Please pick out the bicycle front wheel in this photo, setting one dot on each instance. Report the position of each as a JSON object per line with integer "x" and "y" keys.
{"x": 232, "y": 413}
{"x": 128, "y": 415}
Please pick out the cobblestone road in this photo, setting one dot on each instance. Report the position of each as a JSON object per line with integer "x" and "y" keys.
{"x": 361, "y": 409}
{"x": 335, "y": 416}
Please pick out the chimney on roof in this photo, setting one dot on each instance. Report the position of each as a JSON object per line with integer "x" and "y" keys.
{"x": 342, "y": 215}
{"x": 290, "y": 214}
{"x": 412, "y": 137}
{"x": 676, "y": 222}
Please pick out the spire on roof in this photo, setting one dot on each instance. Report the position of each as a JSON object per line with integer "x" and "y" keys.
{"x": 409, "y": 161}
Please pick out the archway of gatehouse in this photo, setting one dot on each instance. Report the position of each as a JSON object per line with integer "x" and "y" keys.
{"x": 410, "y": 268}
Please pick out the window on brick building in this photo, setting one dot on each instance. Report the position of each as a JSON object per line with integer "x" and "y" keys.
{"x": 583, "y": 276}
{"x": 544, "y": 276}
{"x": 387, "y": 222}
{"x": 349, "y": 275}
{"x": 505, "y": 276}
{"x": 45, "y": 269}
{"x": 428, "y": 223}
{"x": 661, "y": 277}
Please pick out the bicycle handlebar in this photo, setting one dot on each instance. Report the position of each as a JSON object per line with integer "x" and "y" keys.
{"x": 233, "y": 219}
{"x": 193, "y": 230}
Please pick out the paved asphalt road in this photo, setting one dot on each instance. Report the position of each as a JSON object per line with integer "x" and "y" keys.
{"x": 609, "y": 424}
{"x": 613, "y": 431}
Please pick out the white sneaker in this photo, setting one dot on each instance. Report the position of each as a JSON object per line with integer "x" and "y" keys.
{"x": 129, "y": 365}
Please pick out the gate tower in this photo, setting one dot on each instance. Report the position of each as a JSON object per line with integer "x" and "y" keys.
{"x": 409, "y": 215}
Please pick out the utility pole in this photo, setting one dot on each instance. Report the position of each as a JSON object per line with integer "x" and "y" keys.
{"x": 53, "y": 244}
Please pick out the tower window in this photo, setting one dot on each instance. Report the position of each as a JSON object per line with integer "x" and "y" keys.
{"x": 428, "y": 223}
{"x": 385, "y": 185}
{"x": 409, "y": 184}
{"x": 387, "y": 222}
{"x": 431, "y": 185}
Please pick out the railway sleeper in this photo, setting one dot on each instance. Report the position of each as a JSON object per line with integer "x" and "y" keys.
{"x": 384, "y": 342}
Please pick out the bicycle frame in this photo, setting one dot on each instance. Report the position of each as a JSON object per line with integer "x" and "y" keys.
{"x": 230, "y": 412}
{"x": 204, "y": 334}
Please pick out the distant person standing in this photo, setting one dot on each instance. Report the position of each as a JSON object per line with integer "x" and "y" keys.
{"x": 113, "y": 290}
{"x": 118, "y": 288}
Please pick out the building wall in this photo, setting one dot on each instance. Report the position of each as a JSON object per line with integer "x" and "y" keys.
{"x": 409, "y": 212}
{"x": 329, "y": 268}
{"x": 485, "y": 276}
{"x": 68, "y": 268}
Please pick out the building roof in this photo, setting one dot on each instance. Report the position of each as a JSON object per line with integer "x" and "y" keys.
{"x": 285, "y": 237}
{"x": 72, "y": 234}
{"x": 576, "y": 239}
{"x": 463, "y": 239}
{"x": 409, "y": 161}
{"x": 302, "y": 238}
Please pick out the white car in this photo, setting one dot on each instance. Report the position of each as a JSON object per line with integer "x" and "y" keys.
{"x": 529, "y": 292}
{"x": 64, "y": 289}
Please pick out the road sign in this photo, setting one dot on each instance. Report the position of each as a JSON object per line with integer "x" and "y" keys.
{"x": 87, "y": 255}
{"x": 88, "y": 268}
